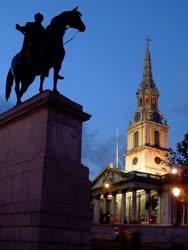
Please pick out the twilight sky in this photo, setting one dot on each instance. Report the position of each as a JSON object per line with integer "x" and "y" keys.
{"x": 103, "y": 66}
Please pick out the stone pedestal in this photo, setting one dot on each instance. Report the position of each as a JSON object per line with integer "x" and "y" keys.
{"x": 44, "y": 188}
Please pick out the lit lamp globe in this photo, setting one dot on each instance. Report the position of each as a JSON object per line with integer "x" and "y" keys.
{"x": 174, "y": 171}
{"x": 176, "y": 191}
{"x": 106, "y": 185}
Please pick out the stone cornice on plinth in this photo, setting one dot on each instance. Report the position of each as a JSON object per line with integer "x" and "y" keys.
{"x": 42, "y": 100}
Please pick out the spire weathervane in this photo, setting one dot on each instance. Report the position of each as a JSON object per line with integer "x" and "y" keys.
{"x": 148, "y": 40}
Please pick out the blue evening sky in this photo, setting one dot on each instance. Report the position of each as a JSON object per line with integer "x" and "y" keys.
{"x": 103, "y": 66}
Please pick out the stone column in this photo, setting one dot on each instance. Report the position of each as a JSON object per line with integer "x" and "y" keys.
{"x": 104, "y": 210}
{"x": 144, "y": 135}
{"x": 128, "y": 141}
{"x": 133, "y": 217}
{"x": 123, "y": 207}
{"x": 141, "y": 136}
{"x": 170, "y": 207}
{"x": 167, "y": 208}
{"x": 147, "y": 205}
{"x": 105, "y": 203}
{"x": 96, "y": 209}
{"x": 113, "y": 208}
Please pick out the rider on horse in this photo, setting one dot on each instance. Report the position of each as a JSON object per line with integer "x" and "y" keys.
{"x": 42, "y": 50}
{"x": 34, "y": 38}
{"x": 34, "y": 50}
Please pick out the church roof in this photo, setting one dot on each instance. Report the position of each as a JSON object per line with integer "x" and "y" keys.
{"x": 119, "y": 180}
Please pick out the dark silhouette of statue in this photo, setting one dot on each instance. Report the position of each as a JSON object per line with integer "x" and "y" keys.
{"x": 42, "y": 50}
{"x": 34, "y": 35}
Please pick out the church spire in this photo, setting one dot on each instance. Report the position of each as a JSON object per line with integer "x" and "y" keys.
{"x": 147, "y": 81}
{"x": 147, "y": 94}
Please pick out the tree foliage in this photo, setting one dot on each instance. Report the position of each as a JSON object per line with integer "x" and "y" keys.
{"x": 182, "y": 152}
{"x": 179, "y": 156}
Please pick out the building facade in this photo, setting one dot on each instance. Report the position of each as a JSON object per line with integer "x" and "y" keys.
{"x": 142, "y": 192}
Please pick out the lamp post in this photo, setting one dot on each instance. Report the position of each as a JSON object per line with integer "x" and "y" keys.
{"x": 179, "y": 195}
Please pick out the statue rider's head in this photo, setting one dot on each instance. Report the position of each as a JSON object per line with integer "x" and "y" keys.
{"x": 38, "y": 17}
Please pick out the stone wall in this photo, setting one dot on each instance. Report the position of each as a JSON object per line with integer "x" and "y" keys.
{"x": 161, "y": 236}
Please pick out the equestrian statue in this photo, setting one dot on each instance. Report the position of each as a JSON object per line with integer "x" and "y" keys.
{"x": 42, "y": 50}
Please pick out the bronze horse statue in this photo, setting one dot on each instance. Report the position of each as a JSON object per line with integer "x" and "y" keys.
{"x": 51, "y": 55}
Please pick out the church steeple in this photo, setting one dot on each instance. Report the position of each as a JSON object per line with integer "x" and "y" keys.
{"x": 147, "y": 140}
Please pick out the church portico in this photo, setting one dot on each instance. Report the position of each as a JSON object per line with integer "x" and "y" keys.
{"x": 142, "y": 199}
{"x": 128, "y": 202}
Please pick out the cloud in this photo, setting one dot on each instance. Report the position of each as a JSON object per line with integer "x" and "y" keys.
{"x": 96, "y": 154}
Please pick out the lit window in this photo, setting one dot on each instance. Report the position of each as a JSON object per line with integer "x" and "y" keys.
{"x": 147, "y": 100}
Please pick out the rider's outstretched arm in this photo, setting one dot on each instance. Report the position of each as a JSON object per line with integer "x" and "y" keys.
{"x": 20, "y": 28}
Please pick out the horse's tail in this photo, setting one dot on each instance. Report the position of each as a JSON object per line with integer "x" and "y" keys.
{"x": 9, "y": 83}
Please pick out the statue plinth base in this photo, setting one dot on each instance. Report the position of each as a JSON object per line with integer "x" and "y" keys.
{"x": 44, "y": 188}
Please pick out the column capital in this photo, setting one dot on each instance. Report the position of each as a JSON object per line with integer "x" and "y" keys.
{"x": 147, "y": 190}
{"x": 114, "y": 193}
{"x": 123, "y": 191}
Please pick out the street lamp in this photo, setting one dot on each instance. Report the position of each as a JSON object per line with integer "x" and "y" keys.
{"x": 174, "y": 171}
{"x": 176, "y": 191}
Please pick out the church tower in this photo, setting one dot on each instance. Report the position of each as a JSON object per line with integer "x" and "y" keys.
{"x": 147, "y": 135}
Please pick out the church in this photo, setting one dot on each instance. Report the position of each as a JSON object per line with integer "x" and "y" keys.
{"x": 145, "y": 191}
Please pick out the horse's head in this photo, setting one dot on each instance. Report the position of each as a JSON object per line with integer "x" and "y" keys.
{"x": 74, "y": 20}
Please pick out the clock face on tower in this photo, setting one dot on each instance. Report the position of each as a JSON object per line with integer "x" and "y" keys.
{"x": 135, "y": 160}
{"x": 137, "y": 117}
{"x": 156, "y": 117}
{"x": 158, "y": 160}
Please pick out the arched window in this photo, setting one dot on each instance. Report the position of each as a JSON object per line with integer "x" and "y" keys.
{"x": 140, "y": 102}
{"x": 147, "y": 100}
{"x": 136, "y": 139}
{"x": 154, "y": 99}
{"x": 157, "y": 138}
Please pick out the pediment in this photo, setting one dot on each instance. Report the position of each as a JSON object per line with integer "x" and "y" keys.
{"x": 109, "y": 175}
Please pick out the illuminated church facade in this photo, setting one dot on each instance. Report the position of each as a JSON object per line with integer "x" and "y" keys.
{"x": 142, "y": 192}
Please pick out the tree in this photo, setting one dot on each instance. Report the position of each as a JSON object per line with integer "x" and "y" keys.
{"x": 179, "y": 157}
{"x": 182, "y": 152}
